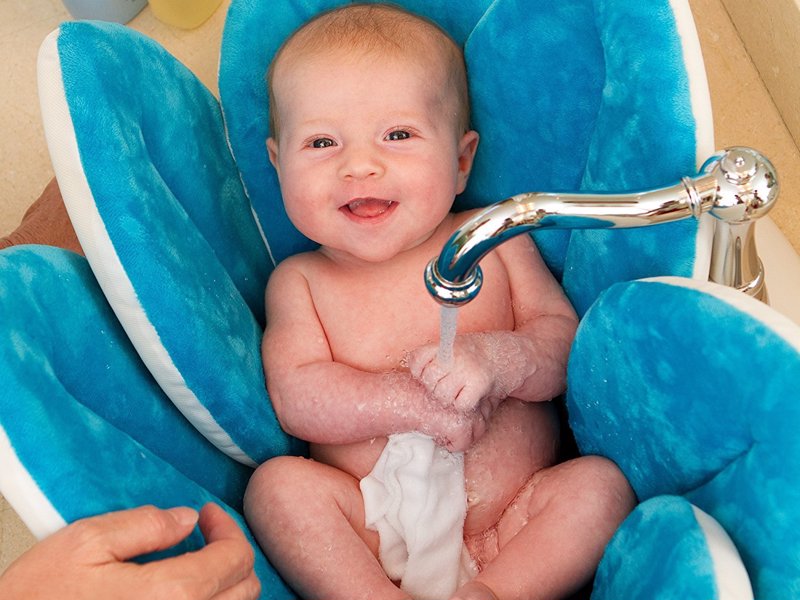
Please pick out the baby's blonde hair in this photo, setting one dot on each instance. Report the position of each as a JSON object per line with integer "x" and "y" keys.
{"x": 377, "y": 27}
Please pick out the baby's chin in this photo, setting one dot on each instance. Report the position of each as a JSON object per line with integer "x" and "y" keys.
{"x": 375, "y": 256}
{"x": 377, "y": 253}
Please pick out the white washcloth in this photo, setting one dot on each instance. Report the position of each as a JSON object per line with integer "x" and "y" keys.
{"x": 415, "y": 499}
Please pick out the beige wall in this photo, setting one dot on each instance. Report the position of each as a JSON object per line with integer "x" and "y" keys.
{"x": 745, "y": 113}
{"x": 770, "y": 30}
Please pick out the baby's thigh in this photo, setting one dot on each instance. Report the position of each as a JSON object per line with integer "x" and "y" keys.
{"x": 591, "y": 490}
{"x": 302, "y": 495}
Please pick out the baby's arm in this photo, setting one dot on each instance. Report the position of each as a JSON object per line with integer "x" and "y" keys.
{"x": 324, "y": 401}
{"x": 528, "y": 363}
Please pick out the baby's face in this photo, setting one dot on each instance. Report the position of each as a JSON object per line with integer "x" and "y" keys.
{"x": 368, "y": 156}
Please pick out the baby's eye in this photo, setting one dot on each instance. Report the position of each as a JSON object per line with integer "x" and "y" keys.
{"x": 398, "y": 134}
{"x": 322, "y": 143}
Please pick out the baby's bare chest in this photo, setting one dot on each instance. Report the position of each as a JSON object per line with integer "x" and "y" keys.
{"x": 372, "y": 321}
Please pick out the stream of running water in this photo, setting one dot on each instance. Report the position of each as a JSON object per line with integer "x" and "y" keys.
{"x": 447, "y": 334}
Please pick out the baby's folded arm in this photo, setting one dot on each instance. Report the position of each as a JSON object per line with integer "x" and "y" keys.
{"x": 333, "y": 404}
{"x": 544, "y": 325}
{"x": 529, "y": 363}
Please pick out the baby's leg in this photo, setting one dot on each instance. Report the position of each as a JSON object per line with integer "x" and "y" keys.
{"x": 551, "y": 538}
{"x": 309, "y": 519}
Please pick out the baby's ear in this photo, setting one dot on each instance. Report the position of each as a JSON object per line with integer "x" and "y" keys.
{"x": 466, "y": 155}
{"x": 272, "y": 151}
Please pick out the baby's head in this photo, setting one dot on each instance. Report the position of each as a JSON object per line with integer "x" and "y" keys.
{"x": 370, "y": 129}
{"x": 382, "y": 31}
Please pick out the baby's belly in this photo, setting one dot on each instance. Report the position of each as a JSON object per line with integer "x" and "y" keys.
{"x": 522, "y": 438}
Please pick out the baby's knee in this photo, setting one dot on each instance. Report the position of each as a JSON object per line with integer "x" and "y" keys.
{"x": 275, "y": 485}
{"x": 605, "y": 488}
{"x": 474, "y": 590}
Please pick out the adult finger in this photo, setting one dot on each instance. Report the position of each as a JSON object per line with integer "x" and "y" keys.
{"x": 216, "y": 524}
{"x": 121, "y": 535}
{"x": 226, "y": 561}
{"x": 249, "y": 589}
{"x": 220, "y": 530}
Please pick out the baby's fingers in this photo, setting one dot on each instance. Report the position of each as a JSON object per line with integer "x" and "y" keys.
{"x": 453, "y": 389}
{"x": 420, "y": 359}
{"x": 468, "y": 428}
{"x": 424, "y": 367}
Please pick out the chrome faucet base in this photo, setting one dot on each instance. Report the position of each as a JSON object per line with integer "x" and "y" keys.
{"x": 748, "y": 189}
{"x": 736, "y": 186}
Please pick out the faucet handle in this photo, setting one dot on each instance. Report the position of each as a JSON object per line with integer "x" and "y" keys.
{"x": 747, "y": 184}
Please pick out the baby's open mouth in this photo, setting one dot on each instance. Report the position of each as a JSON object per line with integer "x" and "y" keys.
{"x": 368, "y": 208}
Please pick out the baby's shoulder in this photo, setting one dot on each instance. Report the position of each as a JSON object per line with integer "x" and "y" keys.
{"x": 296, "y": 262}
{"x": 459, "y": 218}
{"x": 302, "y": 270}
{"x": 313, "y": 260}
{"x": 293, "y": 270}
{"x": 289, "y": 287}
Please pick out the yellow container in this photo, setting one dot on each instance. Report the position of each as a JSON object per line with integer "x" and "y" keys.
{"x": 186, "y": 14}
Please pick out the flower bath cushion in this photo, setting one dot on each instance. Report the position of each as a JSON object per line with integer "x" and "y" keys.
{"x": 668, "y": 545}
{"x": 84, "y": 428}
{"x": 164, "y": 213}
{"x": 692, "y": 389}
{"x": 158, "y": 207}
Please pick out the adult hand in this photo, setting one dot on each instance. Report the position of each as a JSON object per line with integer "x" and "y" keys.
{"x": 87, "y": 559}
{"x": 45, "y": 222}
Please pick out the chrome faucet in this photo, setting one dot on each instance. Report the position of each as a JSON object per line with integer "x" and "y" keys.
{"x": 737, "y": 186}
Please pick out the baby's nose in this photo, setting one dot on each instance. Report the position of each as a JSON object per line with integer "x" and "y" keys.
{"x": 360, "y": 163}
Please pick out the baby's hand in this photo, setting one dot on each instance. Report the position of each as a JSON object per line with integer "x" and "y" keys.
{"x": 466, "y": 383}
{"x": 455, "y": 431}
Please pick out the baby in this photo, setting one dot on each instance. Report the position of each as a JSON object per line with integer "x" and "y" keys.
{"x": 371, "y": 142}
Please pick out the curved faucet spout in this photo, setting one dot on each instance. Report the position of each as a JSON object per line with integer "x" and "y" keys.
{"x": 728, "y": 180}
